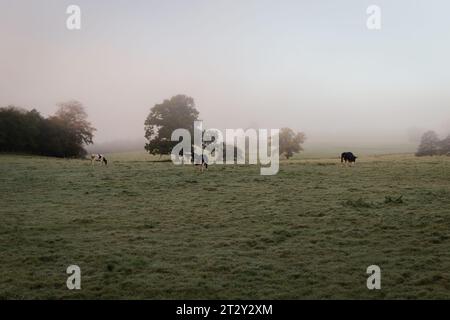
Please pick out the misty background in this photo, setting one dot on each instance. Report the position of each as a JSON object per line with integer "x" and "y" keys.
{"x": 309, "y": 65}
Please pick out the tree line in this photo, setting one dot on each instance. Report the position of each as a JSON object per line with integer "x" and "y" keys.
{"x": 63, "y": 134}
{"x": 431, "y": 145}
{"x": 66, "y": 133}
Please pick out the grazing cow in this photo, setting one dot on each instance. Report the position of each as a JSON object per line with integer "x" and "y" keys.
{"x": 204, "y": 164}
{"x": 99, "y": 158}
{"x": 348, "y": 157}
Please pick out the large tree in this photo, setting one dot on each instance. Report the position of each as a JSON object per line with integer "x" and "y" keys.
{"x": 429, "y": 144}
{"x": 290, "y": 142}
{"x": 74, "y": 116}
{"x": 178, "y": 112}
{"x": 75, "y": 129}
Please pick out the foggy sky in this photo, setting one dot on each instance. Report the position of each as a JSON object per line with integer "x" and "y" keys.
{"x": 309, "y": 65}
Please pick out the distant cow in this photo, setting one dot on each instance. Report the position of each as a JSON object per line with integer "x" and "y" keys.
{"x": 204, "y": 164}
{"x": 99, "y": 158}
{"x": 348, "y": 157}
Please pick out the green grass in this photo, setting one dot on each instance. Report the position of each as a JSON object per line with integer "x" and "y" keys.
{"x": 152, "y": 230}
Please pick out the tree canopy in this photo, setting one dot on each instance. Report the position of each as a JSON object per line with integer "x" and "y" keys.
{"x": 444, "y": 146}
{"x": 429, "y": 144}
{"x": 290, "y": 142}
{"x": 178, "y": 112}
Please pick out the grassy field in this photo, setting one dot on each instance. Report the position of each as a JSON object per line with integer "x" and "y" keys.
{"x": 143, "y": 229}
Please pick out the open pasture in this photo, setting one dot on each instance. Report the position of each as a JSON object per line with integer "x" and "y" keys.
{"x": 152, "y": 230}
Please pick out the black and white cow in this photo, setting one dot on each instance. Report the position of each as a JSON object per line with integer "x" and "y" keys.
{"x": 348, "y": 157}
{"x": 98, "y": 158}
{"x": 204, "y": 164}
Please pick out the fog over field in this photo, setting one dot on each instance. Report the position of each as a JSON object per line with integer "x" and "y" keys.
{"x": 343, "y": 193}
{"x": 314, "y": 67}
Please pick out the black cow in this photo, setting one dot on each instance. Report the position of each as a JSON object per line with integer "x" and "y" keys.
{"x": 348, "y": 157}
